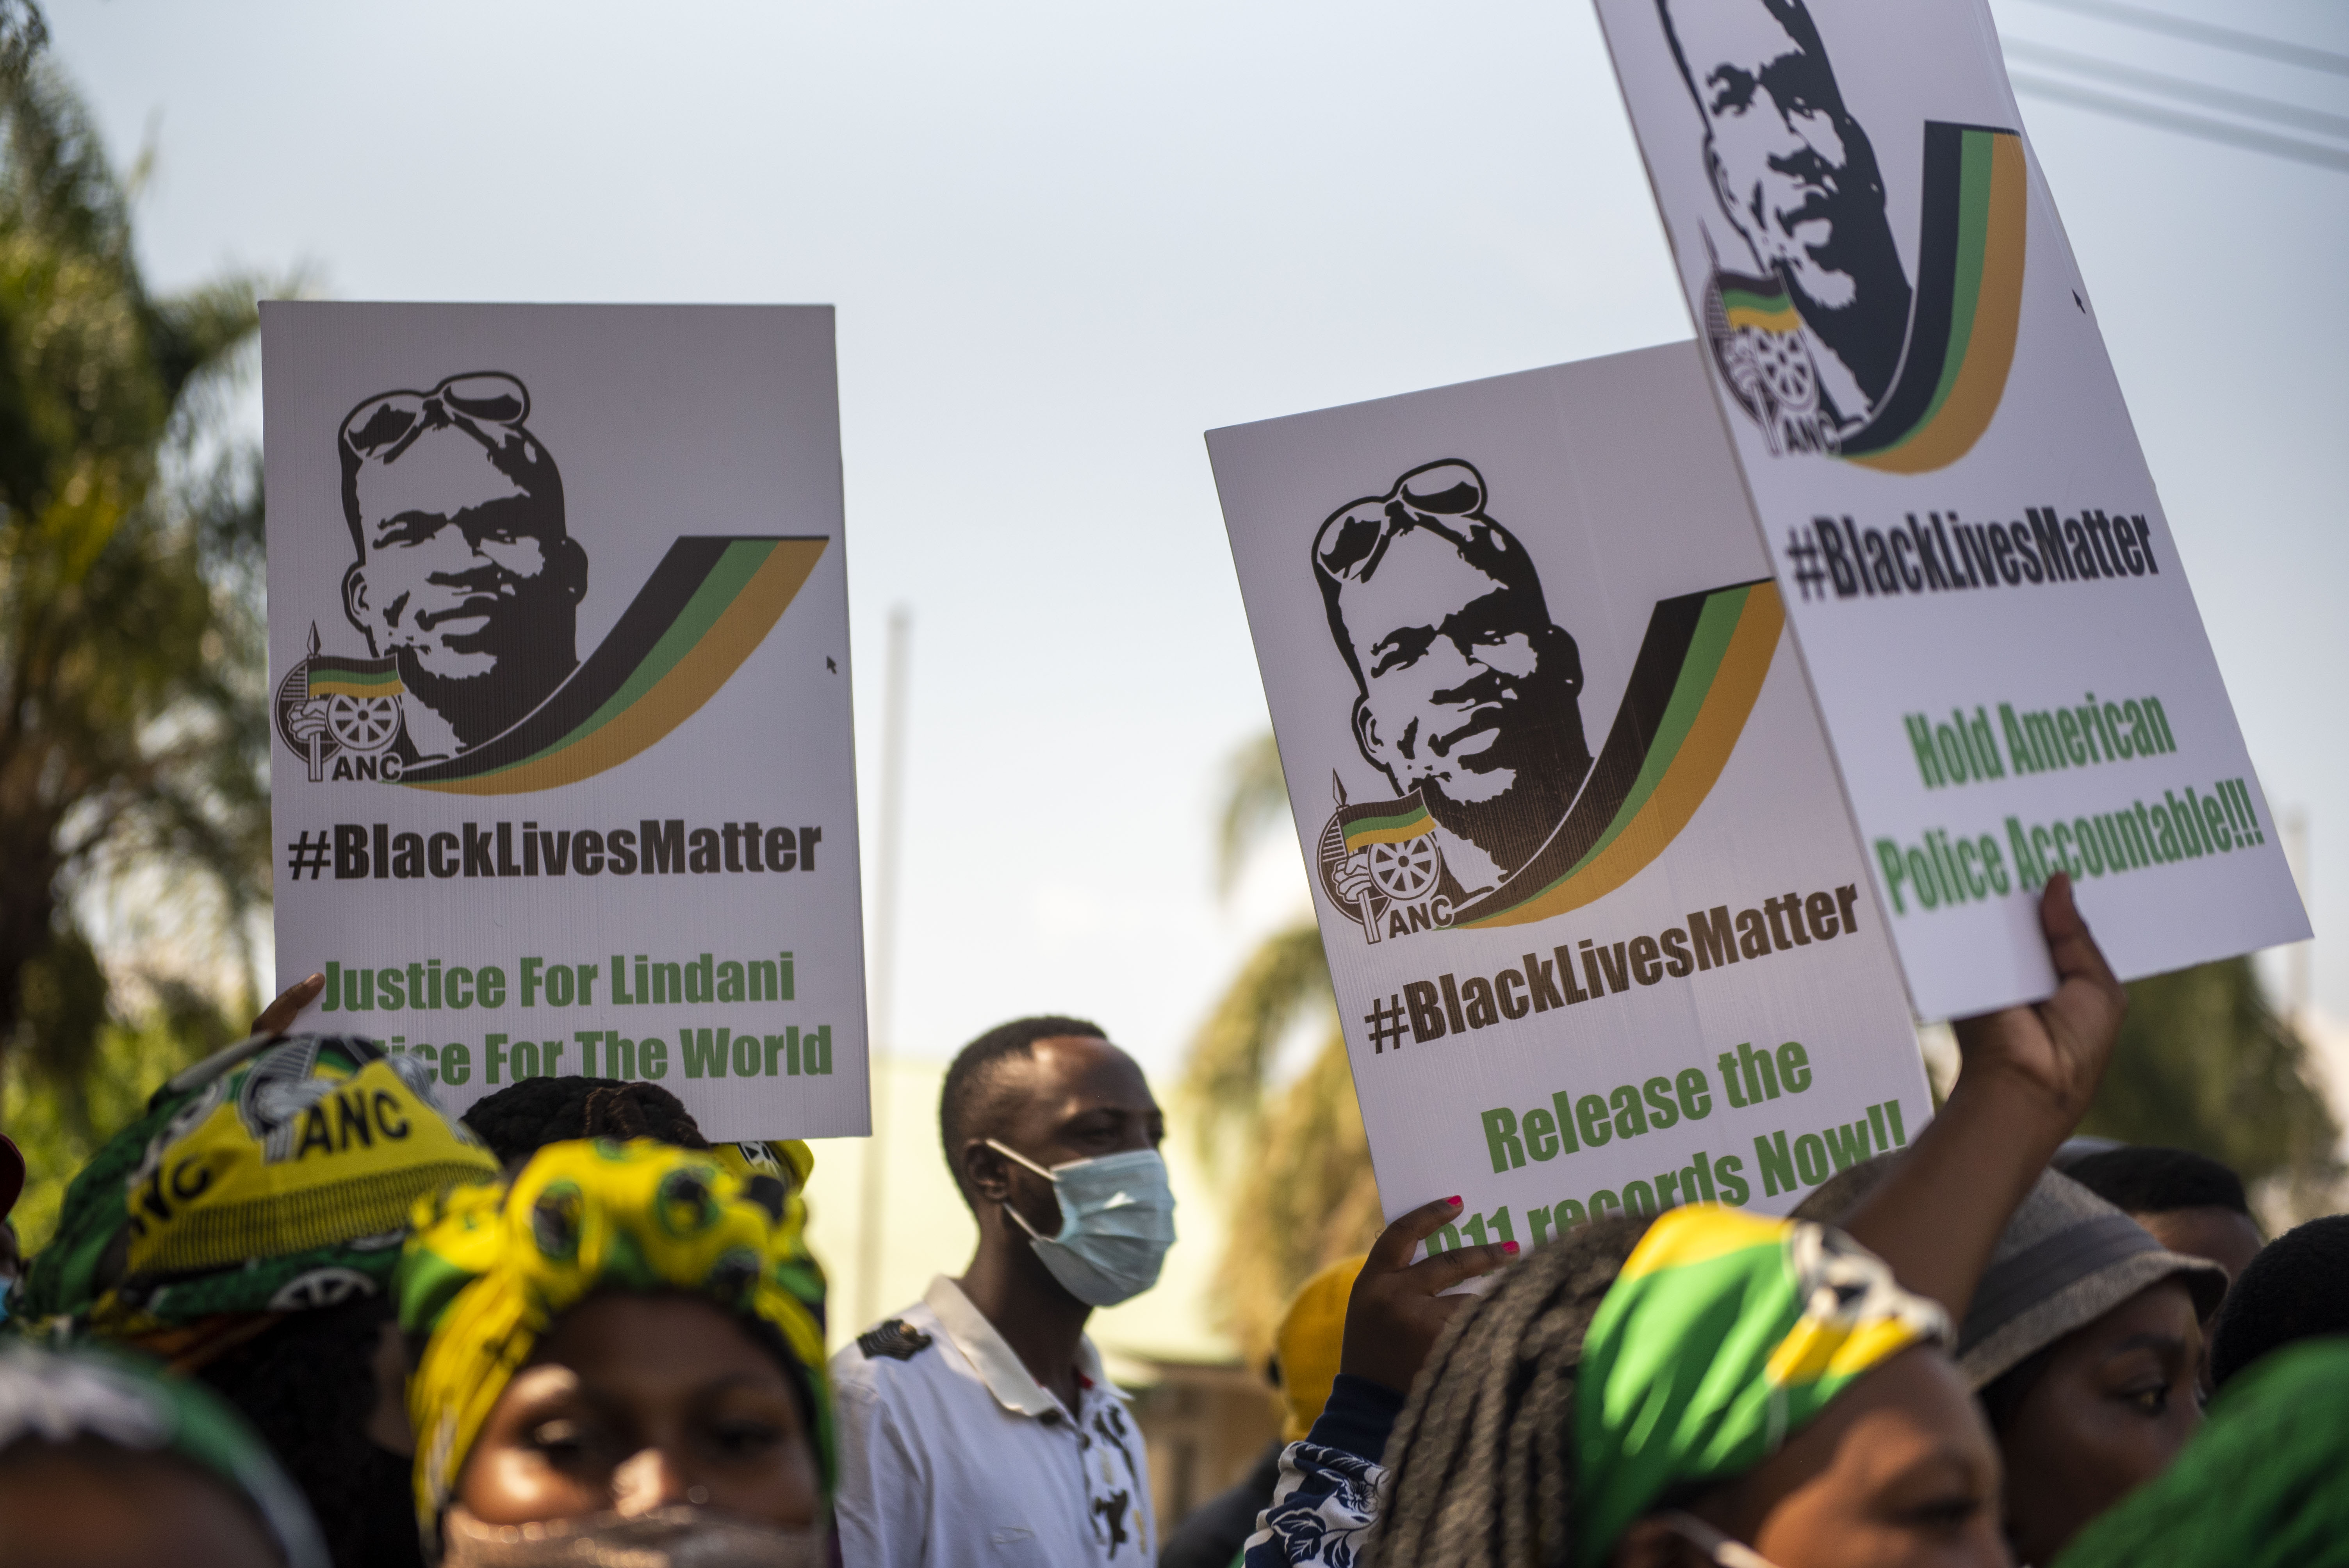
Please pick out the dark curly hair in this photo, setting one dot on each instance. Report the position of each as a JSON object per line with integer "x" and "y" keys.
{"x": 2297, "y": 1288}
{"x": 2143, "y": 1179}
{"x": 519, "y": 1120}
{"x": 1483, "y": 1455}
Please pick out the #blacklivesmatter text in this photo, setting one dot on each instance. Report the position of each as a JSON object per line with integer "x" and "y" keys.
{"x": 1943, "y": 555}
{"x": 357, "y": 851}
{"x": 1425, "y": 1010}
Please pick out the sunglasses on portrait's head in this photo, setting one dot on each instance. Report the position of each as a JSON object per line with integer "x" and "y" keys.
{"x": 1354, "y": 538}
{"x": 1728, "y": 1553}
{"x": 384, "y": 424}
{"x": 1443, "y": 489}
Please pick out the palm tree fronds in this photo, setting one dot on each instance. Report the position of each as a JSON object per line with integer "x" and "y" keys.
{"x": 1284, "y": 980}
{"x": 1255, "y": 797}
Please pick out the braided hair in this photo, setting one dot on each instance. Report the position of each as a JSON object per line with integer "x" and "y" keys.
{"x": 518, "y": 1121}
{"x": 1483, "y": 1456}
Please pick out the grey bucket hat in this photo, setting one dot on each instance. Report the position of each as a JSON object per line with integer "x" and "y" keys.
{"x": 2065, "y": 1260}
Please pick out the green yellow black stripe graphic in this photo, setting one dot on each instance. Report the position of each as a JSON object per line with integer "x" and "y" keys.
{"x": 1969, "y": 304}
{"x": 1390, "y": 825}
{"x": 708, "y": 604}
{"x": 332, "y": 676}
{"x": 1699, "y": 669}
{"x": 1758, "y": 303}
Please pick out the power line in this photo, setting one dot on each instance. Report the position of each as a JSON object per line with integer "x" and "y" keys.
{"x": 2181, "y": 87}
{"x": 2201, "y": 126}
{"x": 2218, "y": 38}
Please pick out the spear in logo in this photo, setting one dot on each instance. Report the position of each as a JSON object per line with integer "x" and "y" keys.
{"x": 1362, "y": 899}
{"x": 319, "y": 736}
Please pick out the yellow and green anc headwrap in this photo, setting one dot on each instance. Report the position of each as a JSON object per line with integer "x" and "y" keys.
{"x": 274, "y": 1177}
{"x": 789, "y": 1159}
{"x": 1723, "y": 1336}
{"x": 489, "y": 1269}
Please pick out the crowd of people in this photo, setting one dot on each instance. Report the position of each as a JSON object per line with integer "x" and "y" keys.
{"x": 296, "y": 1315}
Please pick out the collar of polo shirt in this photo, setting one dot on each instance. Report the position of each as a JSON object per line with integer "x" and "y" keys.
{"x": 1007, "y": 1379}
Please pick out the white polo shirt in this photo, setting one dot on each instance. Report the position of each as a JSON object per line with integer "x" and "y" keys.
{"x": 951, "y": 1456}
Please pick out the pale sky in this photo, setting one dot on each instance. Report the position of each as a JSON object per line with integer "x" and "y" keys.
{"x": 1066, "y": 239}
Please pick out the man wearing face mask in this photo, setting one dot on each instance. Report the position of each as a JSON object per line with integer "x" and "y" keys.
{"x": 976, "y": 1427}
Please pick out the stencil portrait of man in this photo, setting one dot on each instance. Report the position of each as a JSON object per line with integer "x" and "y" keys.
{"x": 1467, "y": 692}
{"x": 1797, "y": 180}
{"x": 466, "y": 573}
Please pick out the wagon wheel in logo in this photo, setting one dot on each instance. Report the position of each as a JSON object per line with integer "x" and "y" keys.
{"x": 1406, "y": 870}
{"x": 364, "y": 724}
{"x": 322, "y": 1287}
{"x": 1787, "y": 369}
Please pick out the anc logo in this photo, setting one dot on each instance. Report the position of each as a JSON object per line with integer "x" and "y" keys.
{"x": 1961, "y": 332}
{"x": 683, "y": 1203}
{"x": 467, "y": 582}
{"x": 556, "y": 1221}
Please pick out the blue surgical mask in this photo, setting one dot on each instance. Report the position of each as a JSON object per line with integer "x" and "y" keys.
{"x": 6, "y": 1286}
{"x": 1117, "y": 1220}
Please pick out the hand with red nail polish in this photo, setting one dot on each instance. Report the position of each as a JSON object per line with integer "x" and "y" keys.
{"x": 1398, "y": 1308}
{"x": 279, "y": 1016}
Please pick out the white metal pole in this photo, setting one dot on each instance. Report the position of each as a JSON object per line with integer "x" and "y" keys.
{"x": 871, "y": 1219}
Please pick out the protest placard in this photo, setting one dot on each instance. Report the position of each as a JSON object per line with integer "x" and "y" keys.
{"x": 1597, "y": 925}
{"x": 558, "y": 634}
{"x": 1986, "y": 593}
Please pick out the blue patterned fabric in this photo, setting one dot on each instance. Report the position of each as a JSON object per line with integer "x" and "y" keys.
{"x": 1332, "y": 1487}
{"x": 1322, "y": 1510}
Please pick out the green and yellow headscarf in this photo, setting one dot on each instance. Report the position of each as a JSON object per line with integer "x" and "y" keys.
{"x": 788, "y": 1159}
{"x": 1722, "y": 1336}
{"x": 274, "y": 1177}
{"x": 492, "y": 1267}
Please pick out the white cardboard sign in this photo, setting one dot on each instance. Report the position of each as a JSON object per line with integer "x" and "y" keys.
{"x": 562, "y": 768}
{"x": 1598, "y": 929}
{"x": 1985, "y": 591}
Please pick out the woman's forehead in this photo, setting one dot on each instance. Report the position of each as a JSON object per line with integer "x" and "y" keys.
{"x": 2162, "y": 1310}
{"x": 621, "y": 1341}
{"x": 1913, "y": 1409}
